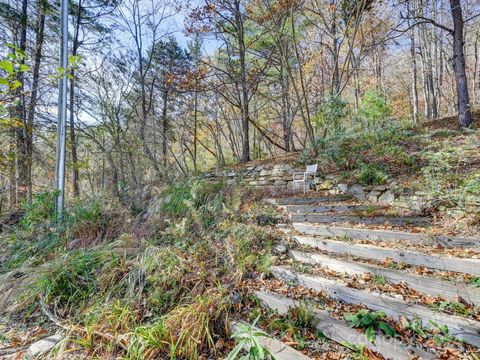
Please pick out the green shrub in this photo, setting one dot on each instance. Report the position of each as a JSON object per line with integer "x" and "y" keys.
{"x": 394, "y": 152}
{"x": 373, "y": 108}
{"x": 370, "y": 174}
{"x": 84, "y": 211}
{"x": 199, "y": 200}
{"x": 331, "y": 113}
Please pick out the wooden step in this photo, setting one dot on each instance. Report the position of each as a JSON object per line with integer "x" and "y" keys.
{"x": 340, "y": 332}
{"x": 426, "y": 285}
{"x": 384, "y": 235}
{"x": 311, "y": 200}
{"x": 318, "y": 209}
{"x": 367, "y": 220}
{"x": 467, "y": 266}
{"x": 277, "y": 348}
{"x": 466, "y": 329}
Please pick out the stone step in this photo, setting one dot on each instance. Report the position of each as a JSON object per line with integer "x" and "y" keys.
{"x": 318, "y": 209}
{"x": 384, "y": 235}
{"x": 426, "y": 285}
{"x": 277, "y": 348}
{"x": 367, "y": 220}
{"x": 340, "y": 332}
{"x": 466, "y": 329}
{"x": 467, "y": 266}
{"x": 310, "y": 200}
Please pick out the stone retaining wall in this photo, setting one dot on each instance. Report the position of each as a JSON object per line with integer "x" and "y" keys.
{"x": 271, "y": 177}
{"x": 277, "y": 178}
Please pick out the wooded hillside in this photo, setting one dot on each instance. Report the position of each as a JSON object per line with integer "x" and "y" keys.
{"x": 159, "y": 89}
{"x": 245, "y": 179}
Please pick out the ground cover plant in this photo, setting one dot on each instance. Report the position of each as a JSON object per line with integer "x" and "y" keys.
{"x": 170, "y": 292}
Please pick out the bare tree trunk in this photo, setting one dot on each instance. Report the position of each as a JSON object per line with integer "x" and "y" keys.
{"x": 464, "y": 114}
{"x": 11, "y": 171}
{"x": 414, "y": 77}
{"x": 243, "y": 82}
{"x": 305, "y": 114}
{"x": 336, "y": 71}
{"x": 18, "y": 113}
{"x": 34, "y": 95}
{"x": 286, "y": 110}
{"x": 164, "y": 128}
{"x": 73, "y": 140}
{"x": 475, "y": 71}
{"x": 195, "y": 126}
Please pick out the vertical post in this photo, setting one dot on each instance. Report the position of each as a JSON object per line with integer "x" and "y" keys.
{"x": 62, "y": 114}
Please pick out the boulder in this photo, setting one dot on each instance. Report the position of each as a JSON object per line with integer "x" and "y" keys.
{"x": 357, "y": 192}
{"x": 295, "y": 186}
{"x": 280, "y": 248}
{"x": 325, "y": 185}
{"x": 387, "y": 198}
{"x": 44, "y": 345}
{"x": 342, "y": 188}
{"x": 373, "y": 196}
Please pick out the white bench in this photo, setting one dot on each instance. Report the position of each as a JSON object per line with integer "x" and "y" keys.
{"x": 309, "y": 171}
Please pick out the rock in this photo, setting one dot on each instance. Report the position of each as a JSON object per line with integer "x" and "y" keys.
{"x": 325, "y": 185}
{"x": 44, "y": 345}
{"x": 330, "y": 177}
{"x": 280, "y": 248}
{"x": 277, "y": 172}
{"x": 387, "y": 198}
{"x": 357, "y": 192}
{"x": 373, "y": 196}
{"x": 279, "y": 182}
{"x": 342, "y": 188}
{"x": 295, "y": 186}
{"x": 401, "y": 203}
{"x": 380, "y": 187}
{"x": 392, "y": 183}
{"x": 281, "y": 168}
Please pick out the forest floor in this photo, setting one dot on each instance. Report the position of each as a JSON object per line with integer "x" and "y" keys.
{"x": 168, "y": 282}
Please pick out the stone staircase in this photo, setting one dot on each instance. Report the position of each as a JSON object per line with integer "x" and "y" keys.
{"x": 382, "y": 263}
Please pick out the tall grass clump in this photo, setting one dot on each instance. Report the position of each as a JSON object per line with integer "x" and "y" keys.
{"x": 35, "y": 237}
{"x": 72, "y": 280}
{"x": 166, "y": 293}
{"x": 40, "y": 210}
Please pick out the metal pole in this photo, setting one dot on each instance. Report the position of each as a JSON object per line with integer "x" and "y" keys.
{"x": 62, "y": 114}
